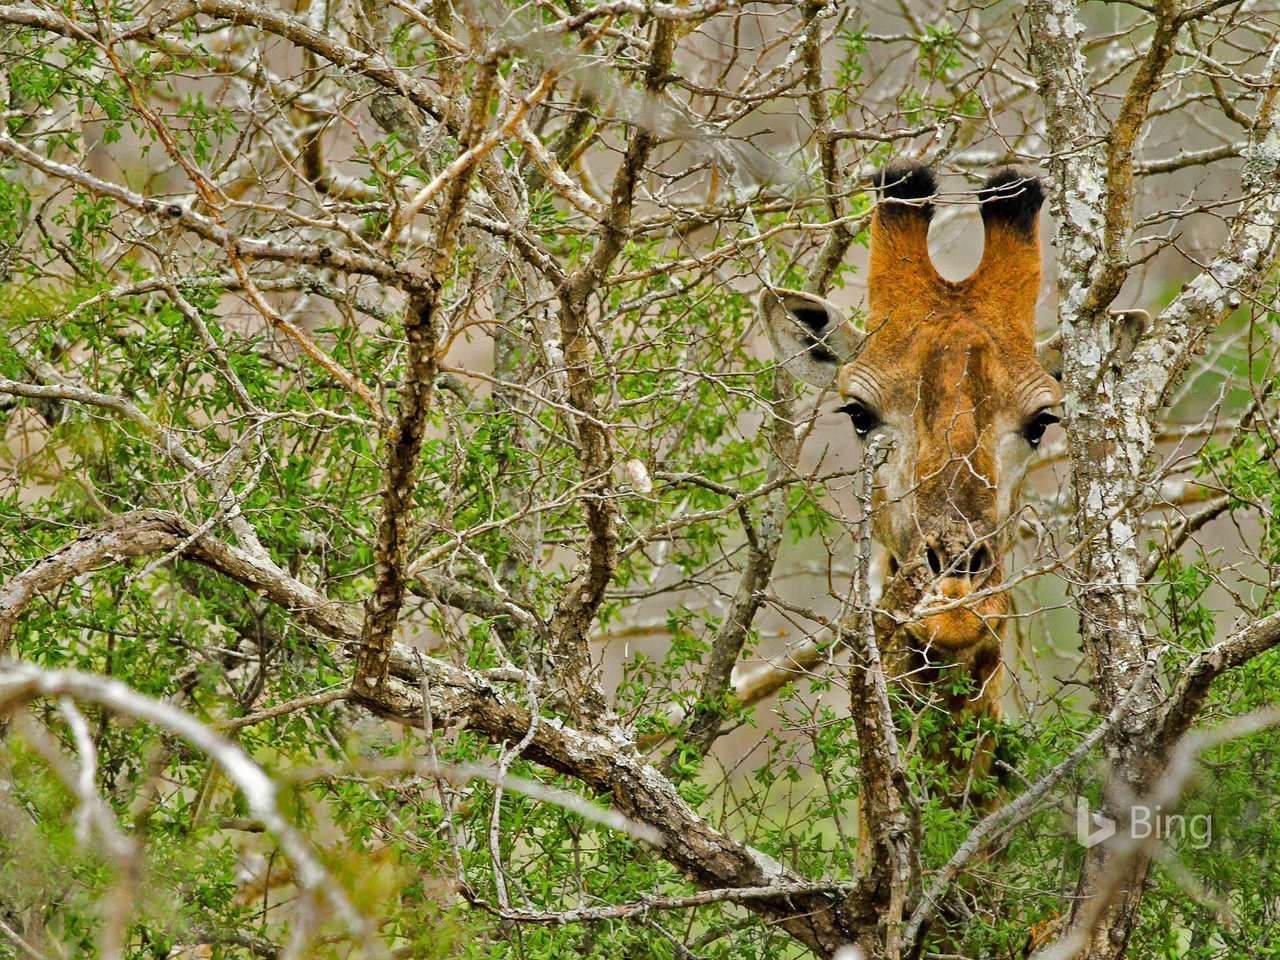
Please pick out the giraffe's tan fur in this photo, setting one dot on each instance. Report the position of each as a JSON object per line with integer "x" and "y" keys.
{"x": 950, "y": 374}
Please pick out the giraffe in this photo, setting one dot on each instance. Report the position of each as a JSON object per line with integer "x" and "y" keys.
{"x": 946, "y": 378}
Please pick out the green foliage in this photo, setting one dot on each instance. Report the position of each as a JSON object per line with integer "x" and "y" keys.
{"x": 224, "y": 419}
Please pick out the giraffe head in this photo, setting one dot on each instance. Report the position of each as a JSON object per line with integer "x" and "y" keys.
{"x": 947, "y": 378}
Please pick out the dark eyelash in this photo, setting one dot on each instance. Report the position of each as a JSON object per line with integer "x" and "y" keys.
{"x": 1036, "y": 426}
{"x": 864, "y": 419}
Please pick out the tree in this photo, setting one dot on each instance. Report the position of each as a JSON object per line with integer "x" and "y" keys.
{"x": 409, "y": 545}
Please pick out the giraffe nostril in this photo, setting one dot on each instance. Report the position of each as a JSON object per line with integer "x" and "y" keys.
{"x": 979, "y": 560}
{"x": 935, "y": 564}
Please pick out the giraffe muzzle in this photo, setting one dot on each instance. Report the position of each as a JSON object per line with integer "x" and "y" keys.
{"x": 955, "y": 573}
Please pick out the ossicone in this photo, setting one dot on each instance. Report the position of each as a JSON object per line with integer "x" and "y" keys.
{"x": 1012, "y": 198}
{"x": 900, "y": 270}
{"x": 1006, "y": 284}
{"x": 906, "y": 189}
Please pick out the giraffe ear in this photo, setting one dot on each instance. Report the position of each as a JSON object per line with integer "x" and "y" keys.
{"x": 1049, "y": 353}
{"x": 1129, "y": 326}
{"x": 811, "y": 336}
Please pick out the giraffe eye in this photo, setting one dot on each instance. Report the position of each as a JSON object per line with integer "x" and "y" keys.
{"x": 864, "y": 420}
{"x": 1036, "y": 426}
